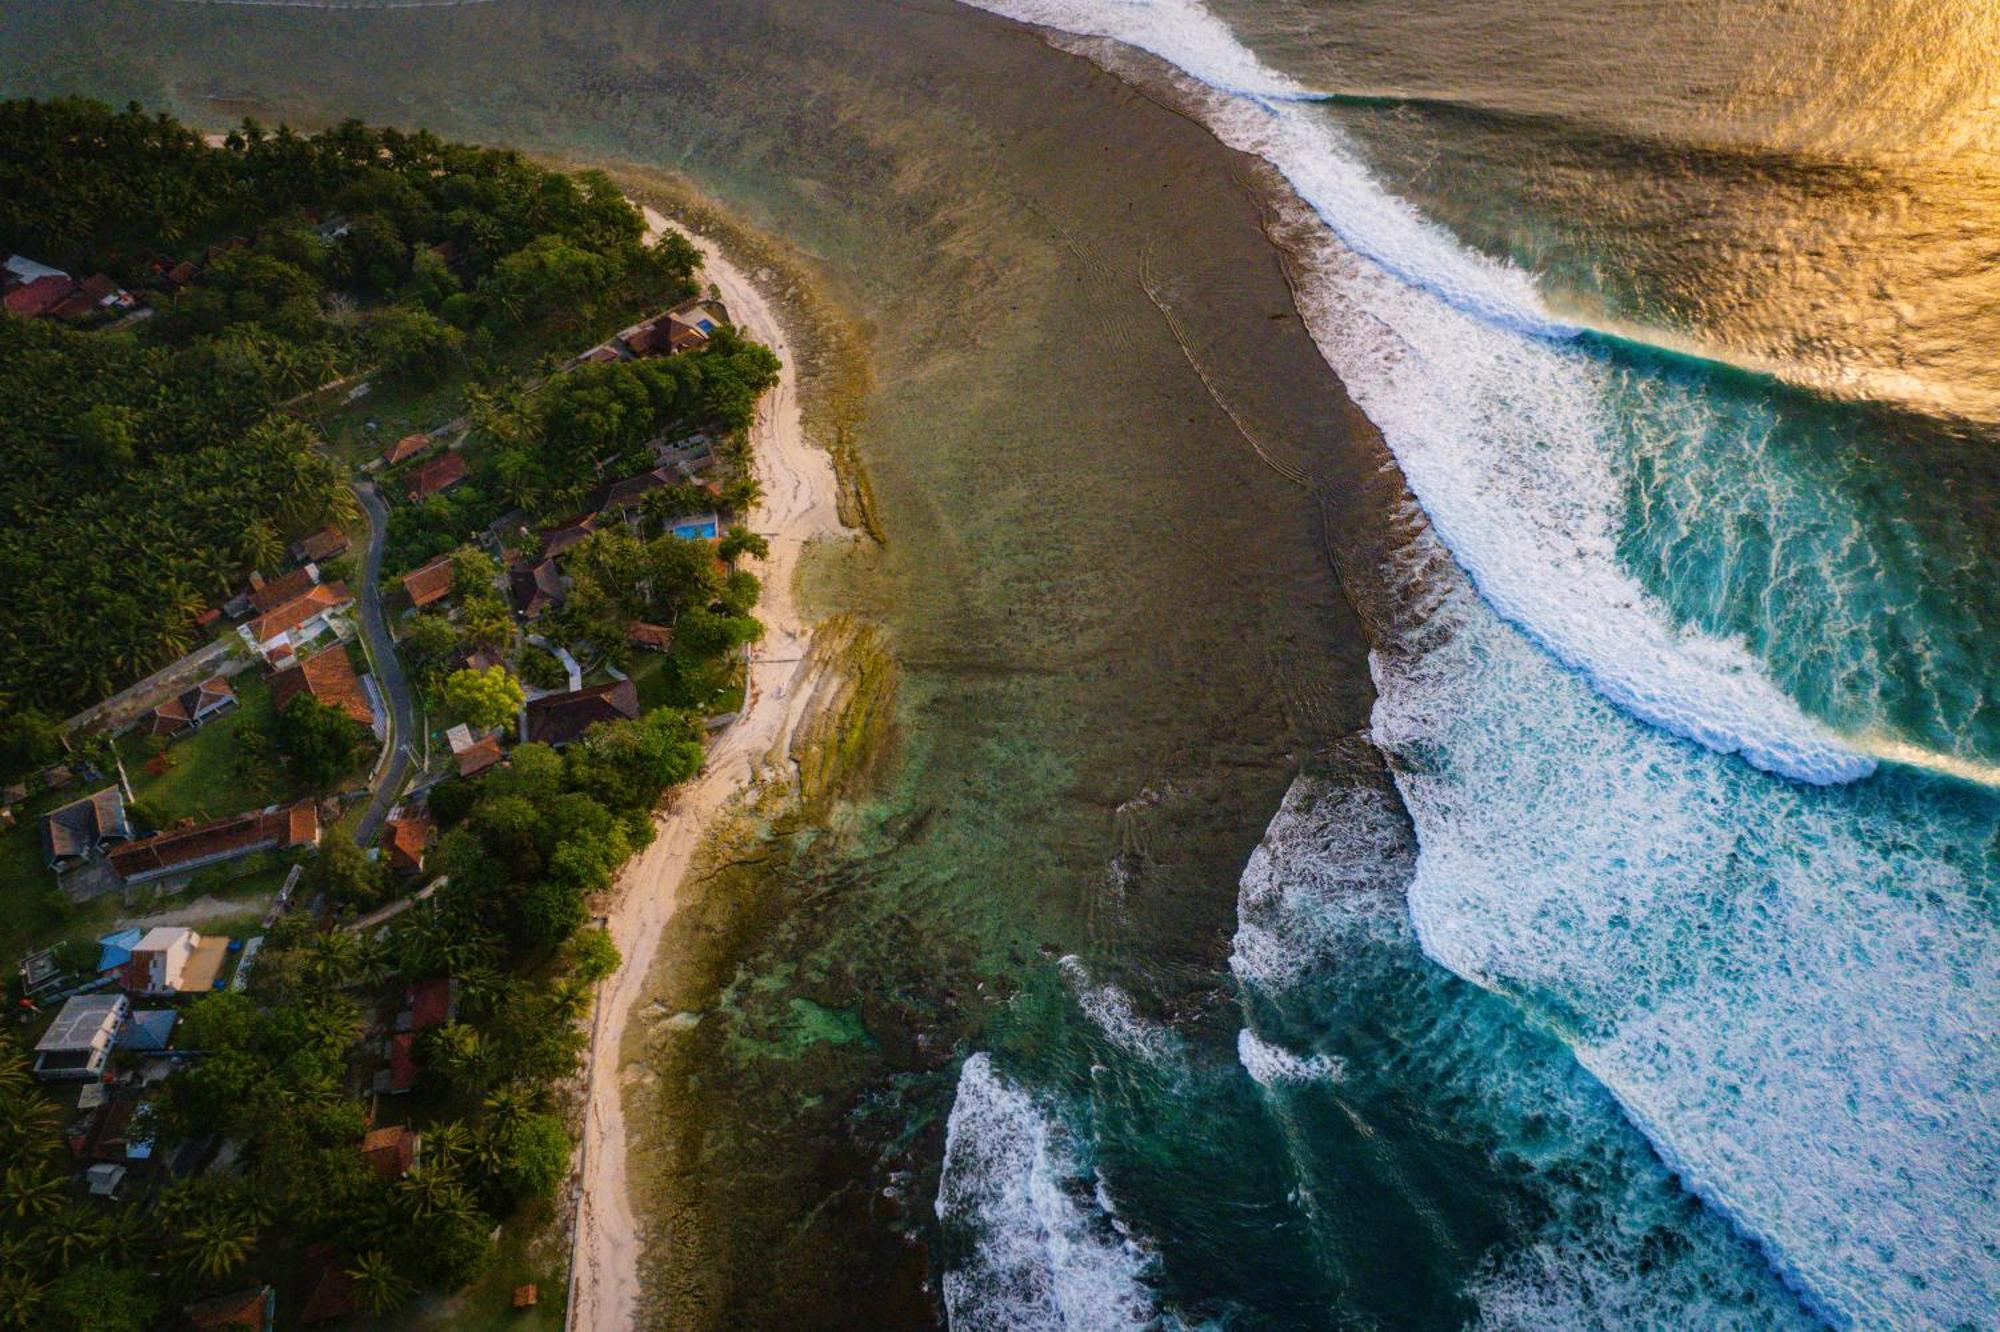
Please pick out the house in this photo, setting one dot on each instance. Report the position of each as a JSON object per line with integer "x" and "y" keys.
{"x": 19, "y": 268}
{"x": 77, "y": 1045}
{"x": 535, "y": 587}
{"x": 114, "y": 950}
{"x": 164, "y": 962}
{"x": 84, "y": 829}
{"x": 478, "y": 756}
{"x": 268, "y": 595}
{"x": 617, "y": 496}
{"x": 480, "y": 659}
{"x": 149, "y": 1029}
{"x": 330, "y": 1290}
{"x": 402, "y": 1070}
{"x": 602, "y": 354}
{"x": 560, "y": 719}
{"x": 406, "y": 448}
{"x": 255, "y": 1307}
{"x": 651, "y": 637}
{"x": 326, "y": 544}
{"x": 567, "y": 534}
{"x": 439, "y": 474}
{"x": 428, "y": 1003}
{"x": 391, "y": 1151}
{"x": 105, "y": 1179}
{"x": 404, "y": 842}
{"x": 188, "y": 710}
{"x": 107, "y": 294}
{"x": 687, "y": 327}
{"x": 329, "y": 678}
{"x": 185, "y": 850}
{"x": 280, "y": 633}
{"x": 32, "y": 300}
{"x": 429, "y": 584}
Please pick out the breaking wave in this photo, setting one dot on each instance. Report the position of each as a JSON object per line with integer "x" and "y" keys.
{"x": 1033, "y": 1244}
{"x": 1507, "y": 440}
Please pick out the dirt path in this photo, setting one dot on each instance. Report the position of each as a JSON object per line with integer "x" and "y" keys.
{"x": 798, "y": 507}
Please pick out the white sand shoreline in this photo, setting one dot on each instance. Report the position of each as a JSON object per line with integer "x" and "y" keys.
{"x": 798, "y": 507}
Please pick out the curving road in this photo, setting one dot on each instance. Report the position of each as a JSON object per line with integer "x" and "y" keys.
{"x": 389, "y": 676}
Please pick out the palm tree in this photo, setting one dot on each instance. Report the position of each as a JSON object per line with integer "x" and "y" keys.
{"x": 380, "y": 1287}
{"x": 32, "y": 1191}
{"x": 71, "y": 1234}
{"x": 448, "y": 1145}
{"x": 20, "y": 1300}
{"x": 430, "y": 1190}
{"x": 217, "y": 1244}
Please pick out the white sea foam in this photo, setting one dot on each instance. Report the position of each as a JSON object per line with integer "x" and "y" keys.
{"x": 1273, "y": 1065}
{"x": 1618, "y": 1246}
{"x": 1791, "y": 992}
{"x": 1040, "y": 1248}
{"x": 1110, "y": 1008}
{"x": 1505, "y": 439}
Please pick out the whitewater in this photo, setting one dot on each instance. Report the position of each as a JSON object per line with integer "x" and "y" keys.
{"x": 1626, "y": 829}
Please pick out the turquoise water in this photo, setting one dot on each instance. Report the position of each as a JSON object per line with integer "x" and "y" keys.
{"x": 1688, "y": 698}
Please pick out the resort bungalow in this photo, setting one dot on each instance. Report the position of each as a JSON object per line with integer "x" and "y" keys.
{"x": 255, "y": 1308}
{"x": 329, "y": 678}
{"x": 406, "y": 448}
{"x": 326, "y": 544}
{"x": 278, "y": 634}
{"x": 473, "y": 756}
{"x": 404, "y": 842}
{"x": 439, "y": 474}
{"x": 266, "y": 596}
{"x": 535, "y": 587}
{"x": 84, "y": 829}
{"x": 390, "y": 1152}
{"x": 188, "y": 710}
{"x": 77, "y": 1045}
{"x": 429, "y": 584}
{"x": 561, "y": 719}
{"x": 186, "y": 850}
{"x": 651, "y": 637}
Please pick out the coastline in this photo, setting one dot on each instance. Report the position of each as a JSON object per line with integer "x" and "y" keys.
{"x": 797, "y": 508}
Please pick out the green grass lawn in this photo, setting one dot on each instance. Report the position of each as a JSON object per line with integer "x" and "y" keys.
{"x": 203, "y": 780}
{"x": 708, "y": 687}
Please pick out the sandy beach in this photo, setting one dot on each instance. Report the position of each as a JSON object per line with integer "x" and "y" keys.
{"x": 798, "y": 507}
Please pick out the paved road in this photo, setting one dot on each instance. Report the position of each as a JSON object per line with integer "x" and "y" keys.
{"x": 388, "y": 669}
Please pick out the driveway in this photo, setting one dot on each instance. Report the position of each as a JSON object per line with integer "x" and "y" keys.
{"x": 388, "y": 669}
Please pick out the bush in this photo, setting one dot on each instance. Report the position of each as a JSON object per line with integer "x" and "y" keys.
{"x": 540, "y": 668}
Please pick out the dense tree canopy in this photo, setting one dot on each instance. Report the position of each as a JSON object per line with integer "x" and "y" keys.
{"x": 141, "y": 469}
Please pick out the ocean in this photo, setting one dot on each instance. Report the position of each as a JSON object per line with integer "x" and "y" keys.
{"x": 1440, "y": 561}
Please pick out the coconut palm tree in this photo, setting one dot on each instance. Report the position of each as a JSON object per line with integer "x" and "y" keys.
{"x": 31, "y": 1191}
{"x": 216, "y": 1244}
{"x": 20, "y": 1300}
{"x": 70, "y": 1234}
{"x": 377, "y": 1284}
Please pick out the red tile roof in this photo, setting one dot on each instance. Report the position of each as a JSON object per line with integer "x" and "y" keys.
{"x": 33, "y": 299}
{"x": 323, "y": 544}
{"x": 329, "y": 677}
{"x": 430, "y": 1002}
{"x": 295, "y": 825}
{"x": 240, "y": 1308}
{"x": 390, "y": 1151}
{"x": 283, "y": 588}
{"x": 406, "y": 448}
{"x": 480, "y": 756}
{"x": 404, "y": 842}
{"x": 296, "y": 612}
{"x": 332, "y": 1289}
{"x": 557, "y": 719}
{"x": 402, "y": 1064}
{"x": 430, "y": 583}
{"x": 655, "y": 636}
{"x": 440, "y": 473}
